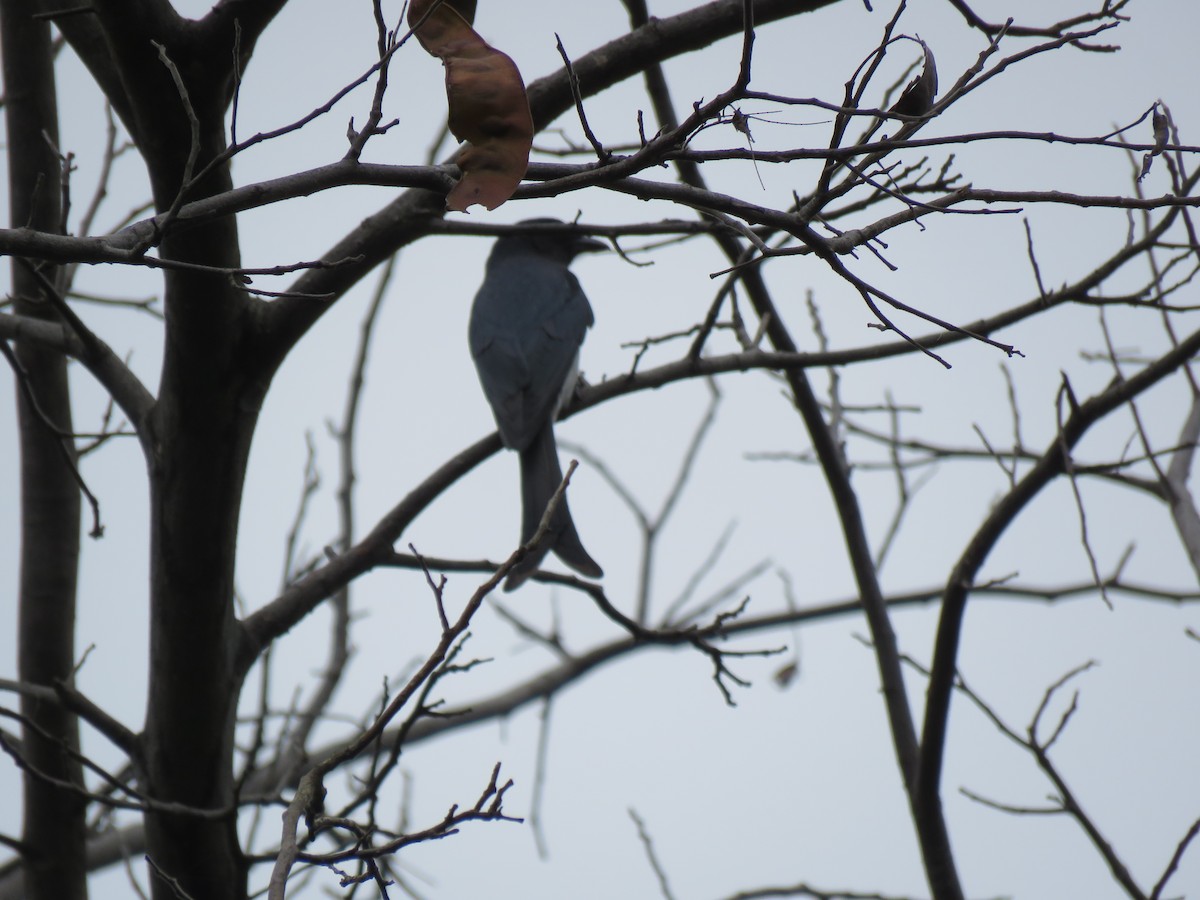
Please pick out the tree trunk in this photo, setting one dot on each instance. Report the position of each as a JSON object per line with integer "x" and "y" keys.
{"x": 54, "y": 817}
{"x": 201, "y": 427}
{"x": 199, "y": 436}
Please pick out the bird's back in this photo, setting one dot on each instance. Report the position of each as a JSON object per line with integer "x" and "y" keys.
{"x": 527, "y": 324}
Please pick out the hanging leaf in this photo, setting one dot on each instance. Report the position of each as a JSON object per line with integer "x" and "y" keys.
{"x": 918, "y": 97}
{"x": 488, "y": 109}
{"x": 786, "y": 674}
{"x": 1161, "y": 122}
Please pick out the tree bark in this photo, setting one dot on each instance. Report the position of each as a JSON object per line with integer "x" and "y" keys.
{"x": 201, "y": 429}
{"x": 54, "y": 833}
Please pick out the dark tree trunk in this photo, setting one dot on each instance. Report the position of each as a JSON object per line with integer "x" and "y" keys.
{"x": 197, "y": 442}
{"x": 202, "y": 425}
{"x": 54, "y": 823}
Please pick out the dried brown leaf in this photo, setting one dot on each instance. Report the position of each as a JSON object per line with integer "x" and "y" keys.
{"x": 918, "y": 97}
{"x": 488, "y": 109}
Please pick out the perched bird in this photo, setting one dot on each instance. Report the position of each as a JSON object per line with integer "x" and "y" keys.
{"x": 527, "y": 324}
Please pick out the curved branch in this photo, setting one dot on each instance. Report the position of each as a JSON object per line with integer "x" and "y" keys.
{"x": 86, "y": 36}
{"x": 962, "y": 579}
{"x": 99, "y": 359}
{"x": 1109, "y": 10}
{"x": 286, "y": 610}
{"x": 216, "y": 29}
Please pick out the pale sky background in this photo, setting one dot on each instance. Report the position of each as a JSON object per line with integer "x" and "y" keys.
{"x": 795, "y": 784}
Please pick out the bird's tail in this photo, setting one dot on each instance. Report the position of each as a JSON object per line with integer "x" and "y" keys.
{"x": 540, "y": 478}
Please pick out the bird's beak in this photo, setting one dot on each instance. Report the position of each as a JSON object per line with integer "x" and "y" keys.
{"x": 584, "y": 244}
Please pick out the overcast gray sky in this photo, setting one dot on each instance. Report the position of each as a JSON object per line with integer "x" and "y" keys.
{"x": 795, "y": 784}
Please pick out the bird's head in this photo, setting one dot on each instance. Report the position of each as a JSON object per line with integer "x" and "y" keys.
{"x": 552, "y": 238}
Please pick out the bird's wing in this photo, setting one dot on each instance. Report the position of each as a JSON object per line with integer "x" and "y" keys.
{"x": 527, "y": 324}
